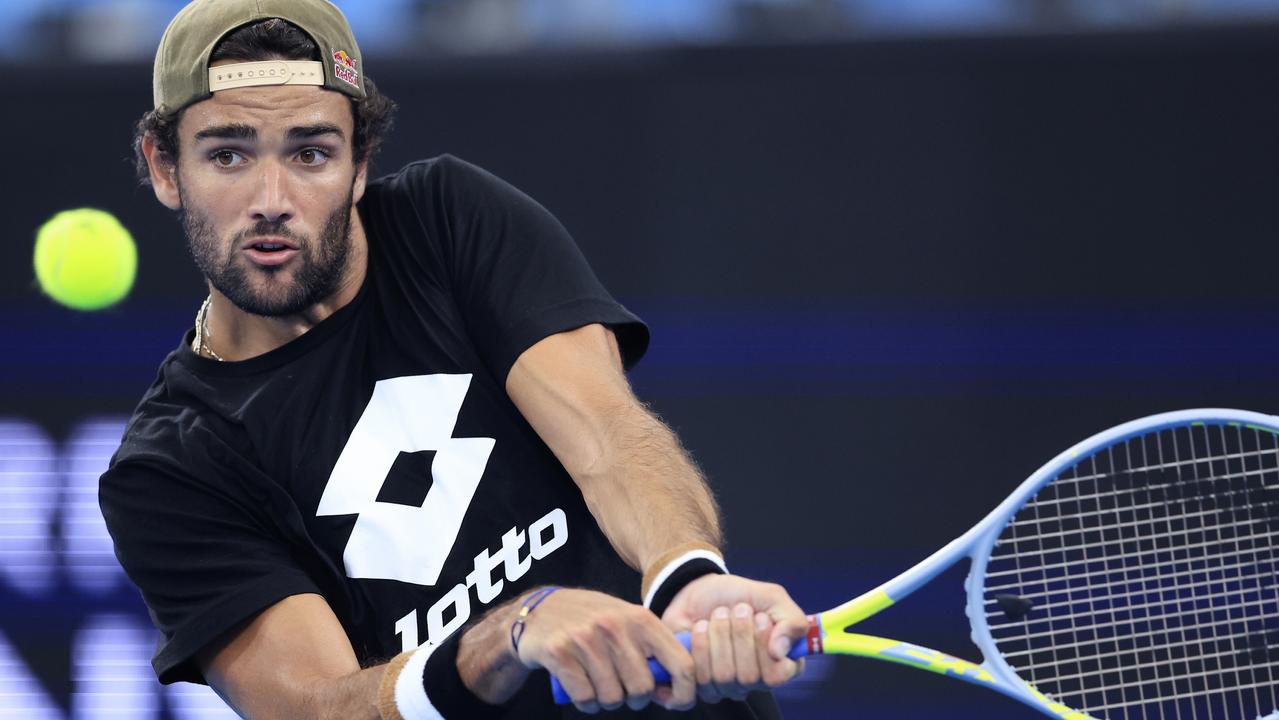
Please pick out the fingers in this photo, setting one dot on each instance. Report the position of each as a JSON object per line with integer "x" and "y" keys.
{"x": 598, "y": 663}
{"x": 732, "y": 655}
{"x": 637, "y": 681}
{"x": 790, "y": 625}
{"x": 598, "y": 647}
{"x": 784, "y": 635}
{"x": 576, "y": 684}
{"x": 701, "y": 651}
{"x": 773, "y": 672}
{"x": 723, "y": 672}
{"x": 616, "y": 656}
{"x": 632, "y": 670}
{"x": 666, "y": 650}
{"x": 566, "y": 661}
{"x": 745, "y": 657}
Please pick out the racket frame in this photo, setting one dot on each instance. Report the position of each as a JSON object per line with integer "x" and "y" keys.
{"x": 977, "y": 545}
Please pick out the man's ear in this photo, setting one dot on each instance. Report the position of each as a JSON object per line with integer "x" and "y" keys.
{"x": 164, "y": 173}
{"x": 361, "y": 176}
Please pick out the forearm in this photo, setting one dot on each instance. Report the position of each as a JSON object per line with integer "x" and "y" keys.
{"x": 292, "y": 660}
{"x": 353, "y": 696}
{"x": 645, "y": 490}
{"x": 638, "y": 481}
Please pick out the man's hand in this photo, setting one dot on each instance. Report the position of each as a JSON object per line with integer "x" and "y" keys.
{"x": 598, "y": 646}
{"x": 742, "y": 630}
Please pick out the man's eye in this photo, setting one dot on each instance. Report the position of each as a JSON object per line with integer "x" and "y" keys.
{"x": 226, "y": 158}
{"x": 313, "y": 156}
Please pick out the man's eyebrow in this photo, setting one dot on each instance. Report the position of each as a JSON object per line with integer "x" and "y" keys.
{"x": 310, "y": 131}
{"x": 234, "y": 131}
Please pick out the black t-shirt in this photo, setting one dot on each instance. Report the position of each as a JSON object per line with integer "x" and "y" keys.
{"x": 377, "y": 460}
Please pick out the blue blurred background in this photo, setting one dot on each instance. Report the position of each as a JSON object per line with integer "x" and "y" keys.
{"x": 895, "y": 254}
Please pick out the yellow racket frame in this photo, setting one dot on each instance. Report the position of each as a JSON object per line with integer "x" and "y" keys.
{"x": 835, "y": 640}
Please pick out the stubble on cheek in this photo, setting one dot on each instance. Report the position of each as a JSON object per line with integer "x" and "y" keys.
{"x": 315, "y": 273}
{"x": 202, "y": 240}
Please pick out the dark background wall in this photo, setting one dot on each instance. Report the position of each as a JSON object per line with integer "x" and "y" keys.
{"x": 886, "y": 281}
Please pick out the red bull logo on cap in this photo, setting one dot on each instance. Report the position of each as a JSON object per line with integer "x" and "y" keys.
{"x": 344, "y": 68}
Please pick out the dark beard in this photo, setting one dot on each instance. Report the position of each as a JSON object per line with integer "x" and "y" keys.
{"x": 318, "y": 269}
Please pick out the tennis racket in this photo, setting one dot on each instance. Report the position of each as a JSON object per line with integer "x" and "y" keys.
{"x": 1132, "y": 576}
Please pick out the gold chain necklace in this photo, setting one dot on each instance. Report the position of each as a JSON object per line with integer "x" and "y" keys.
{"x": 200, "y": 343}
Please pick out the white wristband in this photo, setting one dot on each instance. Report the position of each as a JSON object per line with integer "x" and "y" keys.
{"x": 670, "y": 567}
{"x": 410, "y": 692}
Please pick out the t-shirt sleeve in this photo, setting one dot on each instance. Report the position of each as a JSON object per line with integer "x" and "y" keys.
{"x": 517, "y": 274}
{"x": 202, "y": 551}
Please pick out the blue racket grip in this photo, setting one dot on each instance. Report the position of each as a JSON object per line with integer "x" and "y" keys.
{"x": 660, "y": 675}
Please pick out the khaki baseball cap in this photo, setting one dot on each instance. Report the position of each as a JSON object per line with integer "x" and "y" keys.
{"x": 182, "y": 73}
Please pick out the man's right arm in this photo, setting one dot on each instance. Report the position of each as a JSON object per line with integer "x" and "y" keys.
{"x": 293, "y": 660}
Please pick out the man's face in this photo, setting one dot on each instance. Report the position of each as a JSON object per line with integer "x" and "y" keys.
{"x": 266, "y": 181}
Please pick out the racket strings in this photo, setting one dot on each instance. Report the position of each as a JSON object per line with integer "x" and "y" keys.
{"x": 1073, "y": 562}
{"x": 1127, "y": 596}
{"x": 1195, "y": 695}
{"x": 1153, "y": 681}
{"x": 1268, "y": 637}
{"x": 1261, "y": 455}
{"x": 1150, "y": 574}
{"x": 1266, "y": 495}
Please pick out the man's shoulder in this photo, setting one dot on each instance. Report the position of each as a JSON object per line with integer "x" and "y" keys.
{"x": 440, "y": 176}
{"x": 172, "y": 421}
{"x": 440, "y": 166}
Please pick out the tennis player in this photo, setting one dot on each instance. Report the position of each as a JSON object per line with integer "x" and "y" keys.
{"x": 395, "y": 467}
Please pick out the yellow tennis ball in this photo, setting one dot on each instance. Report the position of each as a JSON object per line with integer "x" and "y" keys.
{"x": 85, "y": 259}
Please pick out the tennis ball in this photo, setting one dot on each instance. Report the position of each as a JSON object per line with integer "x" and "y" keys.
{"x": 85, "y": 259}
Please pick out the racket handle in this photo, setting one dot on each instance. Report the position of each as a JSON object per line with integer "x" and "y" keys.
{"x": 660, "y": 675}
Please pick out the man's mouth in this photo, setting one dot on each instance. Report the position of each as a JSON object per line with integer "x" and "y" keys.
{"x": 269, "y": 244}
{"x": 269, "y": 251}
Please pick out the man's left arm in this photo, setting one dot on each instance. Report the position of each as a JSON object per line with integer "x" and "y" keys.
{"x": 652, "y": 503}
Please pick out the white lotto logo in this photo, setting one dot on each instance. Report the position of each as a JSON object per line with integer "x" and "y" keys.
{"x": 391, "y": 541}
{"x": 546, "y": 535}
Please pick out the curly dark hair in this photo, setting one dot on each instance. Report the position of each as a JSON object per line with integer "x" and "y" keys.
{"x": 270, "y": 39}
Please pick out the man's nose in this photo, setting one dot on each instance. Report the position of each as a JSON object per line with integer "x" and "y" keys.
{"x": 272, "y": 201}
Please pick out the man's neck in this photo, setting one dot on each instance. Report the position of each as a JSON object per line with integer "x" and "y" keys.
{"x": 234, "y": 334}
